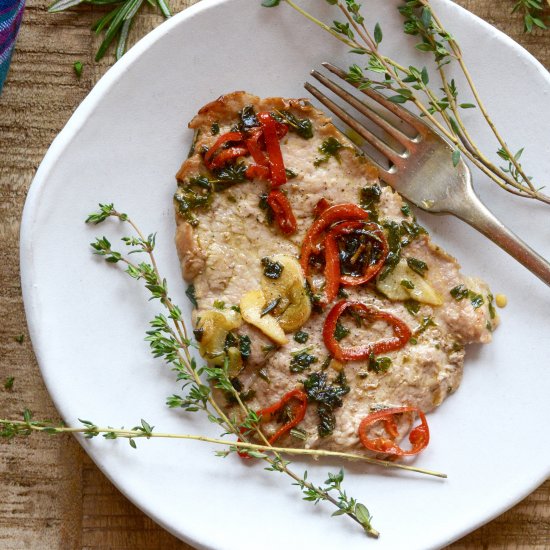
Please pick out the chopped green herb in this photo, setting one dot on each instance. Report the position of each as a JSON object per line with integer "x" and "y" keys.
{"x": 269, "y": 348}
{"x": 290, "y": 174}
{"x": 219, "y": 304}
{"x": 326, "y": 363}
{"x": 406, "y": 283}
{"x": 369, "y": 197}
{"x": 301, "y": 361}
{"x": 215, "y": 129}
{"x": 329, "y": 148}
{"x": 248, "y": 118}
{"x": 476, "y": 299}
{"x": 234, "y": 173}
{"x": 342, "y": 293}
{"x": 235, "y": 308}
{"x": 270, "y": 307}
{"x": 379, "y": 364}
{"x": 413, "y": 341}
{"x": 301, "y": 337}
{"x": 264, "y": 205}
{"x": 328, "y": 397}
{"x": 459, "y": 292}
{"x": 302, "y": 126}
{"x": 190, "y": 293}
{"x": 340, "y": 331}
{"x": 490, "y": 305}
{"x": 424, "y": 324}
{"x": 412, "y": 306}
{"x": 262, "y": 373}
{"x": 245, "y": 345}
{"x": 272, "y": 270}
{"x": 406, "y": 209}
{"x": 418, "y": 266}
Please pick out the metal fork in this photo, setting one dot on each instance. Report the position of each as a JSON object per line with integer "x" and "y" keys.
{"x": 423, "y": 172}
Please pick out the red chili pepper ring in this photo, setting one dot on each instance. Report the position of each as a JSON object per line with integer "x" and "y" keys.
{"x": 419, "y": 436}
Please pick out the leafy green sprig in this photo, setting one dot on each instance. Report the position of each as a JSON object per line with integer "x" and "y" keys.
{"x": 413, "y": 84}
{"x": 532, "y": 11}
{"x": 116, "y": 23}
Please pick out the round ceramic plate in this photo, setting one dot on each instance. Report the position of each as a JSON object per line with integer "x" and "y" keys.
{"x": 87, "y": 319}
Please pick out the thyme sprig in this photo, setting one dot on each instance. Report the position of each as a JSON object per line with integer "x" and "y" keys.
{"x": 532, "y": 11}
{"x": 168, "y": 339}
{"x": 116, "y": 23}
{"x": 439, "y": 105}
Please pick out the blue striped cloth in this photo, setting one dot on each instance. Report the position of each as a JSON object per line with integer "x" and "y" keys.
{"x": 11, "y": 13}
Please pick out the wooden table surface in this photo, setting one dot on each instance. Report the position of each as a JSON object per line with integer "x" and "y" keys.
{"x": 51, "y": 495}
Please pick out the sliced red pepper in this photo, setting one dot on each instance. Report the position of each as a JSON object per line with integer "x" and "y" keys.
{"x": 276, "y": 164}
{"x": 320, "y": 207}
{"x": 402, "y": 333}
{"x": 254, "y": 147}
{"x": 336, "y": 213}
{"x": 419, "y": 436}
{"x": 332, "y": 269}
{"x": 222, "y": 140}
{"x": 255, "y": 171}
{"x": 283, "y": 212}
{"x": 347, "y": 228}
{"x": 299, "y": 412}
{"x": 227, "y": 155}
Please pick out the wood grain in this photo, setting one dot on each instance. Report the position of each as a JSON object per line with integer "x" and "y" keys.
{"x": 51, "y": 495}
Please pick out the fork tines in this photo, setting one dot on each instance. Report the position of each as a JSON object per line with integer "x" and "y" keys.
{"x": 396, "y": 158}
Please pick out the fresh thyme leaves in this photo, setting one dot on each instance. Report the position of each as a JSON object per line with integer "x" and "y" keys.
{"x": 302, "y": 126}
{"x": 346, "y": 505}
{"x": 115, "y": 23}
{"x": 460, "y": 292}
{"x": 272, "y": 269}
{"x": 329, "y": 148}
{"x": 328, "y": 397}
{"x": 301, "y": 361}
{"x": 438, "y": 103}
{"x": 215, "y": 129}
{"x": 532, "y": 14}
{"x": 301, "y": 337}
{"x": 219, "y": 304}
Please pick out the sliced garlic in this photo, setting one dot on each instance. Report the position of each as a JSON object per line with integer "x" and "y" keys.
{"x": 421, "y": 291}
{"x": 294, "y": 306}
{"x": 214, "y": 326}
{"x": 251, "y": 306}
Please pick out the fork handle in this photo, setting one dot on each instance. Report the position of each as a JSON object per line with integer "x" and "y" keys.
{"x": 476, "y": 214}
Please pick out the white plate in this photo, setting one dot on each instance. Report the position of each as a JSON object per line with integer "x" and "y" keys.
{"x": 87, "y": 320}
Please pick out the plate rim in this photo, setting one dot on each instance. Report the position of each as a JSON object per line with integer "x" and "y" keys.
{"x": 55, "y": 151}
